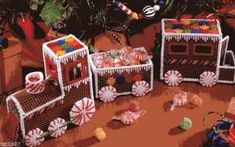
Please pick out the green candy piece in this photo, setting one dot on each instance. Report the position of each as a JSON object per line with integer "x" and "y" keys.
{"x": 186, "y": 124}
{"x": 168, "y": 26}
{"x": 213, "y": 27}
{"x": 194, "y": 22}
{"x": 65, "y": 45}
{"x": 186, "y": 31}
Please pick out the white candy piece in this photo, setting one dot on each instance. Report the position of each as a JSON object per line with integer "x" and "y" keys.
{"x": 173, "y": 78}
{"x": 31, "y": 138}
{"x": 56, "y": 125}
{"x": 208, "y": 79}
{"x": 107, "y": 94}
{"x": 140, "y": 88}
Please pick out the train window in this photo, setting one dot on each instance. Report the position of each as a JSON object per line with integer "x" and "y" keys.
{"x": 178, "y": 49}
{"x": 203, "y": 50}
{"x": 75, "y": 72}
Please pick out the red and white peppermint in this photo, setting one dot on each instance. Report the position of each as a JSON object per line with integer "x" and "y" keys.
{"x": 82, "y": 111}
{"x": 58, "y": 127}
{"x": 34, "y": 83}
{"x": 32, "y": 138}
{"x": 107, "y": 94}
{"x": 179, "y": 100}
{"x": 140, "y": 88}
{"x": 173, "y": 78}
{"x": 208, "y": 79}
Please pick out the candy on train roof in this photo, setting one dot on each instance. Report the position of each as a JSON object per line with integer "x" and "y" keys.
{"x": 191, "y": 26}
{"x": 65, "y": 45}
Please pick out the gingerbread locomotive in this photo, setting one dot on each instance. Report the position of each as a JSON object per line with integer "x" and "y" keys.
{"x": 194, "y": 50}
{"x": 46, "y": 107}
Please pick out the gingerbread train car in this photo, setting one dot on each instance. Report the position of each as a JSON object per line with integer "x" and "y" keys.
{"x": 194, "y": 50}
{"x": 121, "y": 72}
{"x": 46, "y": 107}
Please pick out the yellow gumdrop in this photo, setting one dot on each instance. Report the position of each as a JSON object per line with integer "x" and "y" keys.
{"x": 60, "y": 53}
{"x": 99, "y": 134}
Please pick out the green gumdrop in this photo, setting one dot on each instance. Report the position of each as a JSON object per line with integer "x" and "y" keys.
{"x": 186, "y": 124}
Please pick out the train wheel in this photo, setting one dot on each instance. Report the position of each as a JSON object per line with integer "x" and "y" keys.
{"x": 82, "y": 111}
{"x": 32, "y": 138}
{"x": 173, "y": 78}
{"x": 208, "y": 79}
{"x": 140, "y": 88}
{"x": 57, "y": 127}
{"x": 107, "y": 94}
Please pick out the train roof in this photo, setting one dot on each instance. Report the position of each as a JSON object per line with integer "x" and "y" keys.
{"x": 191, "y": 27}
{"x": 63, "y": 46}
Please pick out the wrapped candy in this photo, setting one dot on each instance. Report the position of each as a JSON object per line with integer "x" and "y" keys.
{"x": 196, "y": 100}
{"x": 129, "y": 117}
{"x": 134, "y": 106}
{"x": 123, "y": 57}
{"x": 179, "y": 99}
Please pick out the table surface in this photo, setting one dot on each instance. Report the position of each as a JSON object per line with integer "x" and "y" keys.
{"x": 157, "y": 127}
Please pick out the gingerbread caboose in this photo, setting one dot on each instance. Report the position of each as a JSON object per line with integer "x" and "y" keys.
{"x": 194, "y": 50}
{"x": 66, "y": 99}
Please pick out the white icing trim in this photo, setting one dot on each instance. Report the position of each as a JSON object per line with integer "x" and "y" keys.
{"x": 76, "y": 84}
{"x": 22, "y": 115}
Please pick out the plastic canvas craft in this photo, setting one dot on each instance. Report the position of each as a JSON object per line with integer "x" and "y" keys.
{"x": 194, "y": 50}
{"x": 111, "y": 82}
{"x": 69, "y": 101}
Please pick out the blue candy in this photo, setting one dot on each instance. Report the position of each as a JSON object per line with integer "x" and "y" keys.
{"x": 196, "y": 31}
{"x": 60, "y": 42}
{"x": 120, "y": 80}
{"x": 177, "y": 26}
{"x": 203, "y": 22}
{"x": 68, "y": 50}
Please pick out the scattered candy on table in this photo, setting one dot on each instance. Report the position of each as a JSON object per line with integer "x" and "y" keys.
{"x": 186, "y": 124}
{"x": 196, "y": 100}
{"x": 134, "y": 106}
{"x": 99, "y": 134}
{"x": 179, "y": 100}
{"x": 123, "y": 57}
{"x": 128, "y": 117}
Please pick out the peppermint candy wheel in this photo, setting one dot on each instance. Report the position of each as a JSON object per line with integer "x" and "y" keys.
{"x": 56, "y": 127}
{"x": 31, "y": 139}
{"x": 140, "y": 88}
{"x": 82, "y": 111}
{"x": 107, "y": 94}
{"x": 173, "y": 78}
{"x": 208, "y": 79}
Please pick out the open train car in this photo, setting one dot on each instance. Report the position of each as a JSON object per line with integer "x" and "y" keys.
{"x": 194, "y": 50}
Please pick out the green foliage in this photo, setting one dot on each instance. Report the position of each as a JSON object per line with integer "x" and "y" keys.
{"x": 51, "y": 11}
